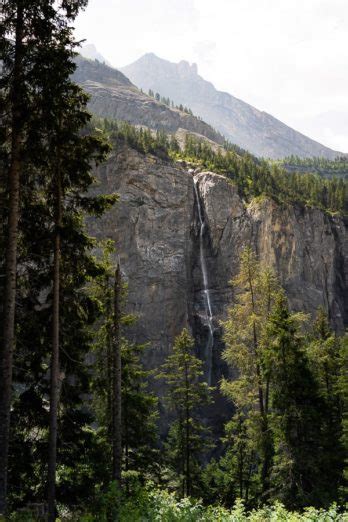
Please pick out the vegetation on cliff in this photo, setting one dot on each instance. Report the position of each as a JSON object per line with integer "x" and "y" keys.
{"x": 322, "y": 166}
{"x": 83, "y": 437}
{"x": 253, "y": 177}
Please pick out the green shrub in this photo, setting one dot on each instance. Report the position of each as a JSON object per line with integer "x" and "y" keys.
{"x": 153, "y": 505}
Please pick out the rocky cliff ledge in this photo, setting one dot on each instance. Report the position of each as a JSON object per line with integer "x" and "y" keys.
{"x": 157, "y": 229}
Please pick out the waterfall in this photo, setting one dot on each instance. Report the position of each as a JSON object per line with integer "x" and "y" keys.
{"x": 208, "y": 309}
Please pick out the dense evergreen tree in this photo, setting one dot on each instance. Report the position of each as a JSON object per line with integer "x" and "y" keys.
{"x": 140, "y": 415}
{"x": 53, "y": 174}
{"x": 256, "y": 288}
{"x": 186, "y": 393}
{"x": 13, "y": 101}
{"x": 342, "y": 389}
{"x": 234, "y": 476}
{"x": 324, "y": 352}
{"x": 139, "y": 407}
{"x": 297, "y": 474}
{"x": 287, "y": 430}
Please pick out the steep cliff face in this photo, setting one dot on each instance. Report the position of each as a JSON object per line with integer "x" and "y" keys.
{"x": 157, "y": 226}
{"x": 179, "y": 235}
{"x": 152, "y": 228}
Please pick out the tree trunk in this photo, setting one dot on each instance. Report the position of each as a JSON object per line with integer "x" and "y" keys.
{"x": 126, "y": 429}
{"x": 187, "y": 435}
{"x": 9, "y": 304}
{"x": 55, "y": 371}
{"x": 116, "y": 374}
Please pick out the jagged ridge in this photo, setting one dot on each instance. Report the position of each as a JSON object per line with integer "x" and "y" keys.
{"x": 114, "y": 96}
{"x": 242, "y": 124}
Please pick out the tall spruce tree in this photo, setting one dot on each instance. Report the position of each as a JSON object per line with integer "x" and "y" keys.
{"x": 13, "y": 98}
{"x": 116, "y": 381}
{"x": 256, "y": 288}
{"x": 139, "y": 414}
{"x": 186, "y": 393}
{"x": 324, "y": 353}
{"x": 139, "y": 407}
{"x": 297, "y": 474}
{"x": 48, "y": 116}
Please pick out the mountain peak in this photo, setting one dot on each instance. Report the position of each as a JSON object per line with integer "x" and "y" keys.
{"x": 242, "y": 124}
{"x": 152, "y": 60}
{"x": 90, "y": 51}
{"x": 188, "y": 68}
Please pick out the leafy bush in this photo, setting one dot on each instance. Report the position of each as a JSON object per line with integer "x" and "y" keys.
{"x": 154, "y": 505}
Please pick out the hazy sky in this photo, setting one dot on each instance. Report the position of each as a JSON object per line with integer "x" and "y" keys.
{"x": 286, "y": 57}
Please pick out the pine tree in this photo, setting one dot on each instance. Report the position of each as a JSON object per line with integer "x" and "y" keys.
{"x": 296, "y": 412}
{"x": 56, "y": 159}
{"x": 116, "y": 381}
{"x": 139, "y": 406}
{"x": 256, "y": 288}
{"x": 140, "y": 413}
{"x": 186, "y": 393}
{"x": 233, "y": 475}
{"x": 13, "y": 83}
{"x": 326, "y": 364}
{"x": 342, "y": 390}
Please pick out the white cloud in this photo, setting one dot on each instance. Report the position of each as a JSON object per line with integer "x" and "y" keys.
{"x": 288, "y": 57}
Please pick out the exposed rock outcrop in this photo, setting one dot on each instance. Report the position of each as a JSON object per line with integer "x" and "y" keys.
{"x": 156, "y": 229}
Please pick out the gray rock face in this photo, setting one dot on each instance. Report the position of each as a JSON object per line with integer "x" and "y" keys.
{"x": 254, "y": 130}
{"x": 151, "y": 226}
{"x": 156, "y": 229}
{"x": 114, "y": 96}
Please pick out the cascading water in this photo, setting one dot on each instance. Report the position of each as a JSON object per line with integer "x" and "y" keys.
{"x": 209, "y": 314}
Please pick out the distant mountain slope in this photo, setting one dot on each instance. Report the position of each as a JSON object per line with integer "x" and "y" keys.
{"x": 91, "y": 52}
{"x": 114, "y": 96}
{"x": 242, "y": 124}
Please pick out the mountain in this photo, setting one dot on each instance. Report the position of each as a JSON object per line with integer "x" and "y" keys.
{"x": 157, "y": 228}
{"x": 242, "y": 124}
{"x": 91, "y": 52}
{"x": 114, "y": 96}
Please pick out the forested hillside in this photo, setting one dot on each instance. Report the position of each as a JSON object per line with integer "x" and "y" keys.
{"x": 253, "y": 177}
{"x": 336, "y": 168}
{"x": 172, "y": 315}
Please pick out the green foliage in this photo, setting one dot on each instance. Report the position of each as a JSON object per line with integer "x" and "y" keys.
{"x": 58, "y": 137}
{"x": 256, "y": 290}
{"x": 234, "y": 475}
{"x": 286, "y": 439}
{"x": 169, "y": 102}
{"x": 139, "y": 405}
{"x": 139, "y": 413}
{"x": 325, "y": 351}
{"x": 254, "y": 178}
{"x": 151, "y": 504}
{"x": 298, "y": 474}
{"x": 141, "y": 139}
{"x": 342, "y": 390}
{"x": 186, "y": 393}
{"x": 259, "y": 177}
{"x": 337, "y": 168}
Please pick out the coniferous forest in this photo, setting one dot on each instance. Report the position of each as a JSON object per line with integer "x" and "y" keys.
{"x": 84, "y": 436}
